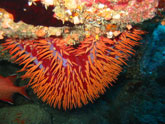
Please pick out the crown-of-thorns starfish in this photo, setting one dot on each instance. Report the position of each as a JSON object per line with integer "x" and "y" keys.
{"x": 63, "y": 75}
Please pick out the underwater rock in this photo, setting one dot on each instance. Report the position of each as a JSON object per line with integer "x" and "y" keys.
{"x": 154, "y": 54}
{"x": 25, "y": 114}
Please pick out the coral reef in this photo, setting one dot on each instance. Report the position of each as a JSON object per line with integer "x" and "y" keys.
{"x": 73, "y": 64}
{"x": 84, "y": 19}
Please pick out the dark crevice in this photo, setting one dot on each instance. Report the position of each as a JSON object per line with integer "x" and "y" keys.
{"x": 35, "y": 14}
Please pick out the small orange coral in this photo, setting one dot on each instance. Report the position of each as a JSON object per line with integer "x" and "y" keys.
{"x": 111, "y": 27}
{"x": 41, "y": 32}
{"x": 163, "y": 22}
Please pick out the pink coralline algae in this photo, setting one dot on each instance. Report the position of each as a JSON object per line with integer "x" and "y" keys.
{"x": 131, "y": 10}
{"x": 121, "y": 11}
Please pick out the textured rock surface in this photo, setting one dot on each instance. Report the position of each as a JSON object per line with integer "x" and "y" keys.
{"x": 24, "y": 114}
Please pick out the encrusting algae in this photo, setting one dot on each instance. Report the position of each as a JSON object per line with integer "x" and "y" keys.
{"x": 76, "y": 63}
